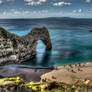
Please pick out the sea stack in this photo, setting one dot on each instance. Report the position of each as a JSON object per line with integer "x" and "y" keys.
{"x": 15, "y": 49}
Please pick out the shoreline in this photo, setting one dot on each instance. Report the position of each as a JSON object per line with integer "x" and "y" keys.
{"x": 75, "y": 76}
{"x": 28, "y": 73}
{"x": 69, "y": 74}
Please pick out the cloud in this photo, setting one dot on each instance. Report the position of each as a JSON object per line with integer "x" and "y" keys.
{"x": 77, "y": 11}
{"x": 10, "y": 0}
{"x": 1, "y": 1}
{"x": 22, "y": 14}
{"x": 34, "y": 2}
{"x": 80, "y": 10}
{"x": 74, "y": 11}
{"x": 89, "y": 11}
{"x": 88, "y": 1}
{"x": 62, "y": 4}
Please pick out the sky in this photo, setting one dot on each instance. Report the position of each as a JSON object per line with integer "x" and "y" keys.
{"x": 45, "y": 8}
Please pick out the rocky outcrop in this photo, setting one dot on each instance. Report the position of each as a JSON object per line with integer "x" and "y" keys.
{"x": 90, "y": 30}
{"x": 17, "y": 84}
{"x": 15, "y": 49}
{"x": 70, "y": 74}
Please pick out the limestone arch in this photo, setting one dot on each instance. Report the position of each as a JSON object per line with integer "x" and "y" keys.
{"x": 43, "y": 35}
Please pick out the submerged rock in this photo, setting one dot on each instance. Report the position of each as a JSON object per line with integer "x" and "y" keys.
{"x": 15, "y": 49}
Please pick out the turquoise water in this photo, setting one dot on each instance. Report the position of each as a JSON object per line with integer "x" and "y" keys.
{"x": 71, "y": 40}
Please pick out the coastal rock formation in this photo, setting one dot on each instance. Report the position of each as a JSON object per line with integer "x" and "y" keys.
{"x": 70, "y": 74}
{"x": 15, "y": 49}
{"x": 90, "y": 30}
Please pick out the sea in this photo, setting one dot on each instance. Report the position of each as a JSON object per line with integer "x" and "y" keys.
{"x": 70, "y": 37}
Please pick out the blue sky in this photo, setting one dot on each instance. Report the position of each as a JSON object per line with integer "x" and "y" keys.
{"x": 45, "y": 8}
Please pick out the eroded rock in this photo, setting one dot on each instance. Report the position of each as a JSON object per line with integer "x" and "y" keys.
{"x": 15, "y": 49}
{"x": 90, "y": 30}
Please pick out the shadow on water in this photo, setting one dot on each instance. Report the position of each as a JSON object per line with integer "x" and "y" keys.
{"x": 46, "y": 56}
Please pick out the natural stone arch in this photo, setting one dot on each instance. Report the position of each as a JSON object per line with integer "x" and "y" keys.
{"x": 21, "y": 49}
{"x": 43, "y": 35}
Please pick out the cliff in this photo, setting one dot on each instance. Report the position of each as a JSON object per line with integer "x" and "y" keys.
{"x": 15, "y": 49}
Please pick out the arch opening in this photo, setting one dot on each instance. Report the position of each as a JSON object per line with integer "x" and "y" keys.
{"x": 40, "y": 50}
{"x": 43, "y": 55}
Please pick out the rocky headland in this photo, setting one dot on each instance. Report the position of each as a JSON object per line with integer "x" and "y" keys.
{"x": 15, "y": 49}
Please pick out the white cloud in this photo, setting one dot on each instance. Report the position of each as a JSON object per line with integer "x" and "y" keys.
{"x": 10, "y": 0}
{"x": 88, "y": 1}
{"x": 23, "y": 14}
{"x": 34, "y": 2}
{"x": 77, "y": 11}
{"x": 80, "y": 10}
{"x": 43, "y": 11}
{"x": 62, "y": 4}
{"x": 1, "y": 1}
{"x": 16, "y": 13}
{"x": 89, "y": 11}
{"x": 74, "y": 11}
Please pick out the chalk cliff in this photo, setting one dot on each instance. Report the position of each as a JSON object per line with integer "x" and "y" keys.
{"x": 15, "y": 49}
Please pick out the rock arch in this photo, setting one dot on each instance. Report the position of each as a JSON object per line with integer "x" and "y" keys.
{"x": 19, "y": 49}
{"x": 43, "y": 35}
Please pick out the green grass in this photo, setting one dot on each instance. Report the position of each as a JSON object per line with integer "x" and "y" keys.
{"x": 4, "y": 34}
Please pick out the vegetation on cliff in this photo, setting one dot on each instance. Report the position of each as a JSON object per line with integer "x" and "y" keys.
{"x": 18, "y": 85}
{"x": 6, "y": 35}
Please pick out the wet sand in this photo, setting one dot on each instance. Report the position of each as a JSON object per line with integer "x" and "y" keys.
{"x": 28, "y": 73}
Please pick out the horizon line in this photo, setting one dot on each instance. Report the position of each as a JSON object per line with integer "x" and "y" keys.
{"x": 50, "y": 17}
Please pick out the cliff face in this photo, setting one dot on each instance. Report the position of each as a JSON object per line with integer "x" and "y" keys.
{"x": 15, "y": 49}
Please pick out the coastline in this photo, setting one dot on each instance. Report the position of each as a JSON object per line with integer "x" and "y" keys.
{"x": 77, "y": 77}
{"x": 16, "y": 49}
{"x": 69, "y": 74}
{"x": 28, "y": 73}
